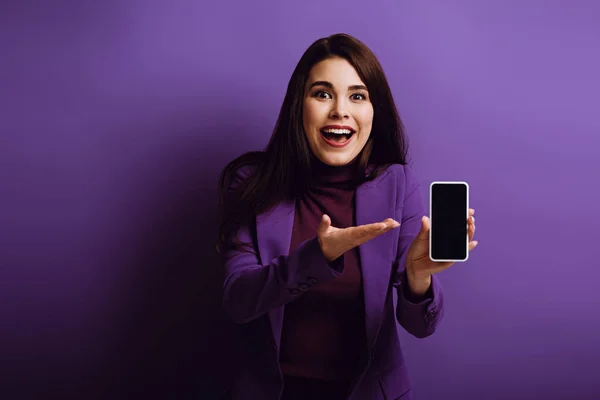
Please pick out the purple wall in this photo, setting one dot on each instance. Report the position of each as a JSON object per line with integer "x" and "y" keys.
{"x": 117, "y": 116}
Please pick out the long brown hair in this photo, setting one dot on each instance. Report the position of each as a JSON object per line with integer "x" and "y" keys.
{"x": 282, "y": 170}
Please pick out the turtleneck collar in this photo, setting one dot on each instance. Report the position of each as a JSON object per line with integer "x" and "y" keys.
{"x": 327, "y": 175}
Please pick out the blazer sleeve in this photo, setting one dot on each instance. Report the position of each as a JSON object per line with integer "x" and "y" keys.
{"x": 252, "y": 288}
{"x": 419, "y": 316}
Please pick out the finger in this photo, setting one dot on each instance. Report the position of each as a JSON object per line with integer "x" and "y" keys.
{"x": 473, "y": 244}
{"x": 324, "y": 225}
{"x": 471, "y": 227}
{"x": 425, "y": 226}
{"x": 361, "y": 234}
{"x": 364, "y": 233}
{"x": 368, "y": 229}
{"x": 378, "y": 227}
{"x": 391, "y": 223}
{"x": 471, "y": 212}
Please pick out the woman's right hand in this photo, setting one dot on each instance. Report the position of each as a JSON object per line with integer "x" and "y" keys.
{"x": 336, "y": 241}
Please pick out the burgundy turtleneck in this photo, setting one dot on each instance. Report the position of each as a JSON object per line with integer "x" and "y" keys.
{"x": 324, "y": 329}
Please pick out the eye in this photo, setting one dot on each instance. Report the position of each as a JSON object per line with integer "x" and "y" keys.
{"x": 321, "y": 94}
{"x": 359, "y": 96}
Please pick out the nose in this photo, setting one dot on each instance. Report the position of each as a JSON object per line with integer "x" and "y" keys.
{"x": 338, "y": 110}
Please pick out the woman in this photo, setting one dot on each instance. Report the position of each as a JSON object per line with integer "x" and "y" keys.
{"x": 319, "y": 231}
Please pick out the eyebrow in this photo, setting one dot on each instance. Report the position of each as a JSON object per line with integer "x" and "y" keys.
{"x": 330, "y": 86}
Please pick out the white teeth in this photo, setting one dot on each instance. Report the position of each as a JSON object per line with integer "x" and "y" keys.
{"x": 338, "y": 131}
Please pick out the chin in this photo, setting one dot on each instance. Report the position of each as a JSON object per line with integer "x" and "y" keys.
{"x": 336, "y": 160}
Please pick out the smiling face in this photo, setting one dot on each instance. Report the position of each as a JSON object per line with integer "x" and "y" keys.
{"x": 337, "y": 112}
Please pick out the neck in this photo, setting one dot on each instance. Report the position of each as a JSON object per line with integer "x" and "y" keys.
{"x": 326, "y": 174}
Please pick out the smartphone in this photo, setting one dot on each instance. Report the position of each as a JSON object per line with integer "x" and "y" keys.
{"x": 448, "y": 213}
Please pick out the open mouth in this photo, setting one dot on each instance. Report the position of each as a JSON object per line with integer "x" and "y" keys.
{"x": 338, "y": 136}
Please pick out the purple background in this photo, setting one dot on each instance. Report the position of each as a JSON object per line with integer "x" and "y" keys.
{"x": 117, "y": 116}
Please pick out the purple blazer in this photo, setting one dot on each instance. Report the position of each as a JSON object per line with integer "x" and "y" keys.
{"x": 257, "y": 286}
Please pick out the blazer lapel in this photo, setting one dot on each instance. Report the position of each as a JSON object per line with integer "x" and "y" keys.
{"x": 274, "y": 231}
{"x": 375, "y": 202}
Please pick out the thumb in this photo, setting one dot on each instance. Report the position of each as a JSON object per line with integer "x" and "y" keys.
{"x": 324, "y": 225}
{"x": 425, "y": 225}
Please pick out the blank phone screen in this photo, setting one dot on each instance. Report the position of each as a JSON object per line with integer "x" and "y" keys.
{"x": 449, "y": 202}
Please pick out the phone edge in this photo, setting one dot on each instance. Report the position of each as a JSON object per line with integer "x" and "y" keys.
{"x": 466, "y": 217}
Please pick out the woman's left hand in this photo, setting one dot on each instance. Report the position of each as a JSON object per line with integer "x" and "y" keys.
{"x": 419, "y": 266}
